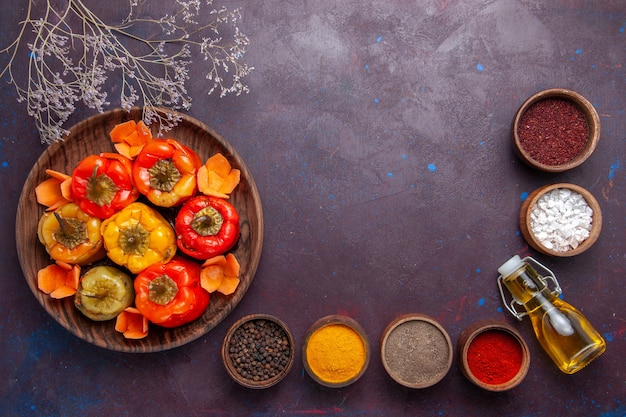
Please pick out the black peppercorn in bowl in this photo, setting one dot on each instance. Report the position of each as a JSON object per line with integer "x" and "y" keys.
{"x": 556, "y": 130}
{"x": 258, "y": 351}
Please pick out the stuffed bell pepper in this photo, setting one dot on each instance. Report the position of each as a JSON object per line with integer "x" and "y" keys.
{"x": 169, "y": 294}
{"x": 137, "y": 237}
{"x": 165, "y": 172}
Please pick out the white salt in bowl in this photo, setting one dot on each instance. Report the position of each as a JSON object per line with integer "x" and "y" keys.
{"x": 561, "y": 211}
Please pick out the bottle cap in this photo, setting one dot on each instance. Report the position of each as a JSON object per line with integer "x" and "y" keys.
{"x": 510, "y": 266}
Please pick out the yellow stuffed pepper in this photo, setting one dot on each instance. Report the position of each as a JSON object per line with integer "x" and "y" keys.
{"x": 70, "y": 235}
{"x": 137, "y": 237}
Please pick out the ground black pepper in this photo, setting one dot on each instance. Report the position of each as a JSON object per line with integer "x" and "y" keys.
{"x": 553, "y": 131}
{"x": 259, "y": 350}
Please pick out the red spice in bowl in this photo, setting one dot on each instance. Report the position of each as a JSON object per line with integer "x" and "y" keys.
{"x": 553, "y": 131}
{"x": 493, "y": 356}
{"x": 556, "y": 130}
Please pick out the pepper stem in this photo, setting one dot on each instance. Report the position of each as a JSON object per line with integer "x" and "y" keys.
{"x": 134, "y": 239}
{"x": 162, "y": 290}
{"x": 101, "y": 189}
{"x": 164, "y": 175}
{"x": 207, "y": 222}
{"x": 71, "y": 232}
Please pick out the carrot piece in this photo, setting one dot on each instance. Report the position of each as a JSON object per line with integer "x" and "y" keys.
{"x": 48, "y": 192}
{"x": 132, "y": 324}
{"x": 231, "y": 181}
{"x": 135, "y": 150}
{"x": 64, "y": 265}
{"x": 220, "y": 273}
{"x": 211, "y": 277}
{"x": 217, "y": 178}
{"x": 228, "y": 285}
{"x": 121, "y": 322}
{"x": 218, "y": 164}
{"x": 49, "y": 278}
{"x": 63, "y": 292}
{"x": 58, "y": 175}
{"x": 202, "y": 178}
{"x": 232, "y": 266}
{"x": 216, "y": 260}
{"x": 66, "y": 189}
{"x": 54, "y": 191}
{"x": 121, "y": 131}
{"x": 59, "y": 280}
{"x": 122, "y": 148}
{"x": 143, "y": 132}
{"x": 130, "y": 137}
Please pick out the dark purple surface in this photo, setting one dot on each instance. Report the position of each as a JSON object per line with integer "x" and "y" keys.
{"x": 379, "y": 137}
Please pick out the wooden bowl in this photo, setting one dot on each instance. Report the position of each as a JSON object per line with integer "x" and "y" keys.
{"x": 534, "y": 242}
{"x": 315, "y": 369}
{"x": 91, "y": 137}
{"x": 416, "y": 351}
{"x": 593, "y": 122}
{"x": 468, "y": 337}
{"x": 257, "y": 322}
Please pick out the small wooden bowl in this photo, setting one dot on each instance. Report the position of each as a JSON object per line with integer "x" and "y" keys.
{"x": 531, "y": 239}
{"x": 416, "y": 351}
{"x": 470, "y": 334}
{"x": 593, "y": 121}
{"x": 231, "y": 367}
{"x": 311, "y": 368}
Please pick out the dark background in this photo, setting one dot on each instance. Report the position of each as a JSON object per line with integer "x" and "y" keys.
{"x": 378, "y": 133}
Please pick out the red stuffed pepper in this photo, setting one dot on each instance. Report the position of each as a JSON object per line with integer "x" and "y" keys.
{"x": 165, "y": 172}
{"x": 102, "y": 184}
{"x": 206, "y": 227}
{"x": 169, "y": 294}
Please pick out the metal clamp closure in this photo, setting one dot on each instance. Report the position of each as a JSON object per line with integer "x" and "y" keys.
{"x": 513, "y": 305}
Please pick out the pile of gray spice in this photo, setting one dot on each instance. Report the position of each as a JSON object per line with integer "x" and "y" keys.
{"x": 417, "y": 353}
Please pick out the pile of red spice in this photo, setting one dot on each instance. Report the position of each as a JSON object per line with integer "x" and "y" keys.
{"x": 553, "y": 131}
{"x": 494, "y": 357}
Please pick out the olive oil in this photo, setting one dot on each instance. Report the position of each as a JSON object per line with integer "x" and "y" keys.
{"x": 563, "y": 332}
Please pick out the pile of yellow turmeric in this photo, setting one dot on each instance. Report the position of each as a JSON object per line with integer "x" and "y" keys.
{"x": 336, "y": 353}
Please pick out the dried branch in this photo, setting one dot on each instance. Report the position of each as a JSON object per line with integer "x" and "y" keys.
{"x": 74, "y": 53}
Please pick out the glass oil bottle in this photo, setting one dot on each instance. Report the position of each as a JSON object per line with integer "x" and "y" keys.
{"x": 563, "y": 332}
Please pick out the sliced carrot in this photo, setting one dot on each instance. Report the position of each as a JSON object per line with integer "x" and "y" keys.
{"x": 219, "y": 260}
{"x": 122, "y": 148}
{"x": 54, "y": 191}
{"x": 132, "y": 324}
{"x": 135, "y": 150}
{"x": 63, "y": 292}
{"x": 66, "y": 189}
{"x": 122, "y": 130}
{"x": 220, "y": 273}
{"x": 59, "y": 280}
{"x": 231, "y": 181}
{"x": 58, "y": 175}
{"x": 143, "y": 132}
{"x": 130, "y": 137}
{"x": 64, "y": 265}
{"x": 121, "y": 322}
{"x": 211, "y": 277}
{"x": 48, "y": 192}
{"x": 232, "y": 266}
{"x": 217, "y": 178}
{"x": 218, "y": 164}
{"x": 228, "y": 285}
